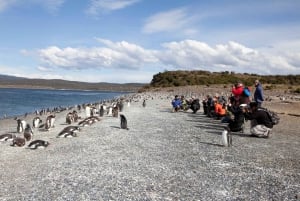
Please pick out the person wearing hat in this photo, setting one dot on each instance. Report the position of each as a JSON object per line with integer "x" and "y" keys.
{"x": 261, "y": 124}
{"x": 258, "y": 94}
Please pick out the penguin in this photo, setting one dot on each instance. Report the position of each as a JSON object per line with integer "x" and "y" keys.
{"x": 67, "y": 134}
{"x": 7, "y": 137}
{"x": 89, "y": 121}
{"x": 38, "y": 144}
{"x": 18, "y": 141}
{"x": 70, "y": 129}
{"x": 21, "y": 125}
{"x": 101, "y": 112}
{"x": 87, "y": 111}
{"x": 109, "y": 112}
{"x": 28, "y": 133}
{"x": 226, "y": 138}
{"x": 144, "y": 103}
{"x": 123, "y": 122}
{"x": 69, "y": 118}
{"x": 50, "y": 122}
{"x": 36, "y": 122}
{"x": 115, "y": 111}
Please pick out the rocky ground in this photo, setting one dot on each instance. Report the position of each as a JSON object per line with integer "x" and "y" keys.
{"x": 163, "y": 156}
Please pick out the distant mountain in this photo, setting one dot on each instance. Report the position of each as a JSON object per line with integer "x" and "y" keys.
{"x": 7, "y": 81}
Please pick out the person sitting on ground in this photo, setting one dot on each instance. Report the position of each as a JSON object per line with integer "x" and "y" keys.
{"x": 261, "y": 124}
{"x": 195, "y": 105}
{"x": 210, "y": 106}
{"x": 184, "y": 104}
{"x": 176, "y": 103}
{"x": 220, "y": 110}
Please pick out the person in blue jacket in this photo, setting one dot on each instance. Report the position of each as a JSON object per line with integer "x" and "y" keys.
{"x": 176, "y": 103}
{"x": 258, "y": 94}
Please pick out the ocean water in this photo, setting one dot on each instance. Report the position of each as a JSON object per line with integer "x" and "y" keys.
{"x": 14, "y": 102}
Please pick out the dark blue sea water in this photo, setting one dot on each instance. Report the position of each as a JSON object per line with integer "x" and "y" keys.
{"x": 14, "y": 102}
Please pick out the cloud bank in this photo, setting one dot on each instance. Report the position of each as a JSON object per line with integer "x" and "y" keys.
{"x": 185, "y": 54}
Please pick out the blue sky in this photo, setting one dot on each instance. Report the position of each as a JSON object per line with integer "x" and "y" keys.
{"x": 125, "y": 41}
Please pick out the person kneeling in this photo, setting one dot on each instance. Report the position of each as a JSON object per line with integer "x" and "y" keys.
{"x": 176, "y": 103}
{"x": 261, "y": 124}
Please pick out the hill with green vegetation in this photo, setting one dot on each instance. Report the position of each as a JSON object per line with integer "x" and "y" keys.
{"x": 21, "y": 82}
{"x": 184, "y": 78}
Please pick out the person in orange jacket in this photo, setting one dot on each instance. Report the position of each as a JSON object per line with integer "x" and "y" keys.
{"x": 220, "y": 110}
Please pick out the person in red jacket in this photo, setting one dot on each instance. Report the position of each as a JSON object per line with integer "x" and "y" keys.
{"x": 238, "y": 93}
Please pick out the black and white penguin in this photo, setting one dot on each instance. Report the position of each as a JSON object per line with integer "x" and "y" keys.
{"x": 226, "y": 138}
{"x": 144, "y": 103}
{"x": 115, "y": 111}
{"x": 69, "y": 118}
{"x": 38, "y": 144}
{"x": 50, "y": 122}
{"x": 67, "y": 134}
{"x": 18, "y": 141}
{"x": 101, "y": 112}
{"x": 89, "y": 121}
{"x": 7, "y": 137}
{"x": 70, "y": 128}
{"x": 36, "y": 122}
{"x": 21, "y": 125}
{"x": 123, "y": 122}
{"x": 28, "y": 133}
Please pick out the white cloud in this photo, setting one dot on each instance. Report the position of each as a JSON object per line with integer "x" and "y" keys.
{"x": 115, "y": 55}
{"x": 101, "y": 6}
{"x": 51, "y": 5}
{"x": 169, "y": 21}
{"x": 186, "y": 54}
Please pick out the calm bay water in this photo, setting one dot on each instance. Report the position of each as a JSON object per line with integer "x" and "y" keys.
{"x": 15, "y": 102}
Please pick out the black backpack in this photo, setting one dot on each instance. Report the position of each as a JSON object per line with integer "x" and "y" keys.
{"x": 273, "y": 116}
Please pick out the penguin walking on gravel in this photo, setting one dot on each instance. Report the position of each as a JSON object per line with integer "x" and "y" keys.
{"x": 123, "y": 122}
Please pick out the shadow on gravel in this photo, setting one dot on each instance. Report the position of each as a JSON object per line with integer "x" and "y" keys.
{"x": 209, "y": 143}
{"x": 115, "y": 127}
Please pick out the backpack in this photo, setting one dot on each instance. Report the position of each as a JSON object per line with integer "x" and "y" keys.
{"x": 273, "y": 116}
{"x": 246, "y": 92}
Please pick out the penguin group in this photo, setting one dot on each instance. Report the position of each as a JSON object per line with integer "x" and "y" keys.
{"x": 25, "y": 132}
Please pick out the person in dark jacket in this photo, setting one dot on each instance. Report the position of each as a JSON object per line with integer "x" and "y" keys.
{"x": 236, "y": 124}
{"x": 258, "y": 94}
{"x": 261, "y": 124}
{"x": 195, "y": 105}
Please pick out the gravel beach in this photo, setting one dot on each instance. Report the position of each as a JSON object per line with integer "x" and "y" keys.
{"x": 163, "y": 156}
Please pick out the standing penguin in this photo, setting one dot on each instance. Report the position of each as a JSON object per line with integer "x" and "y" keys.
{"x": 21, "y": 125}
{"x": 36, "y": 122}
{"x": 226, "y": 138}
{"x": 101, "y": 112}
{"x": 50, "y": 122}
{"x": 144, "y": 103}
{"x": 123, "y": 122}
{"x": 28, "y": 133}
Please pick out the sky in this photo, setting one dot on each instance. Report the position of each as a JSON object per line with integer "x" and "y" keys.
{"x": 127, "y": 41}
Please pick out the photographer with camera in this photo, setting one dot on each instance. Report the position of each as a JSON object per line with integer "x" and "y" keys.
{"x": 261, "y": 124}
